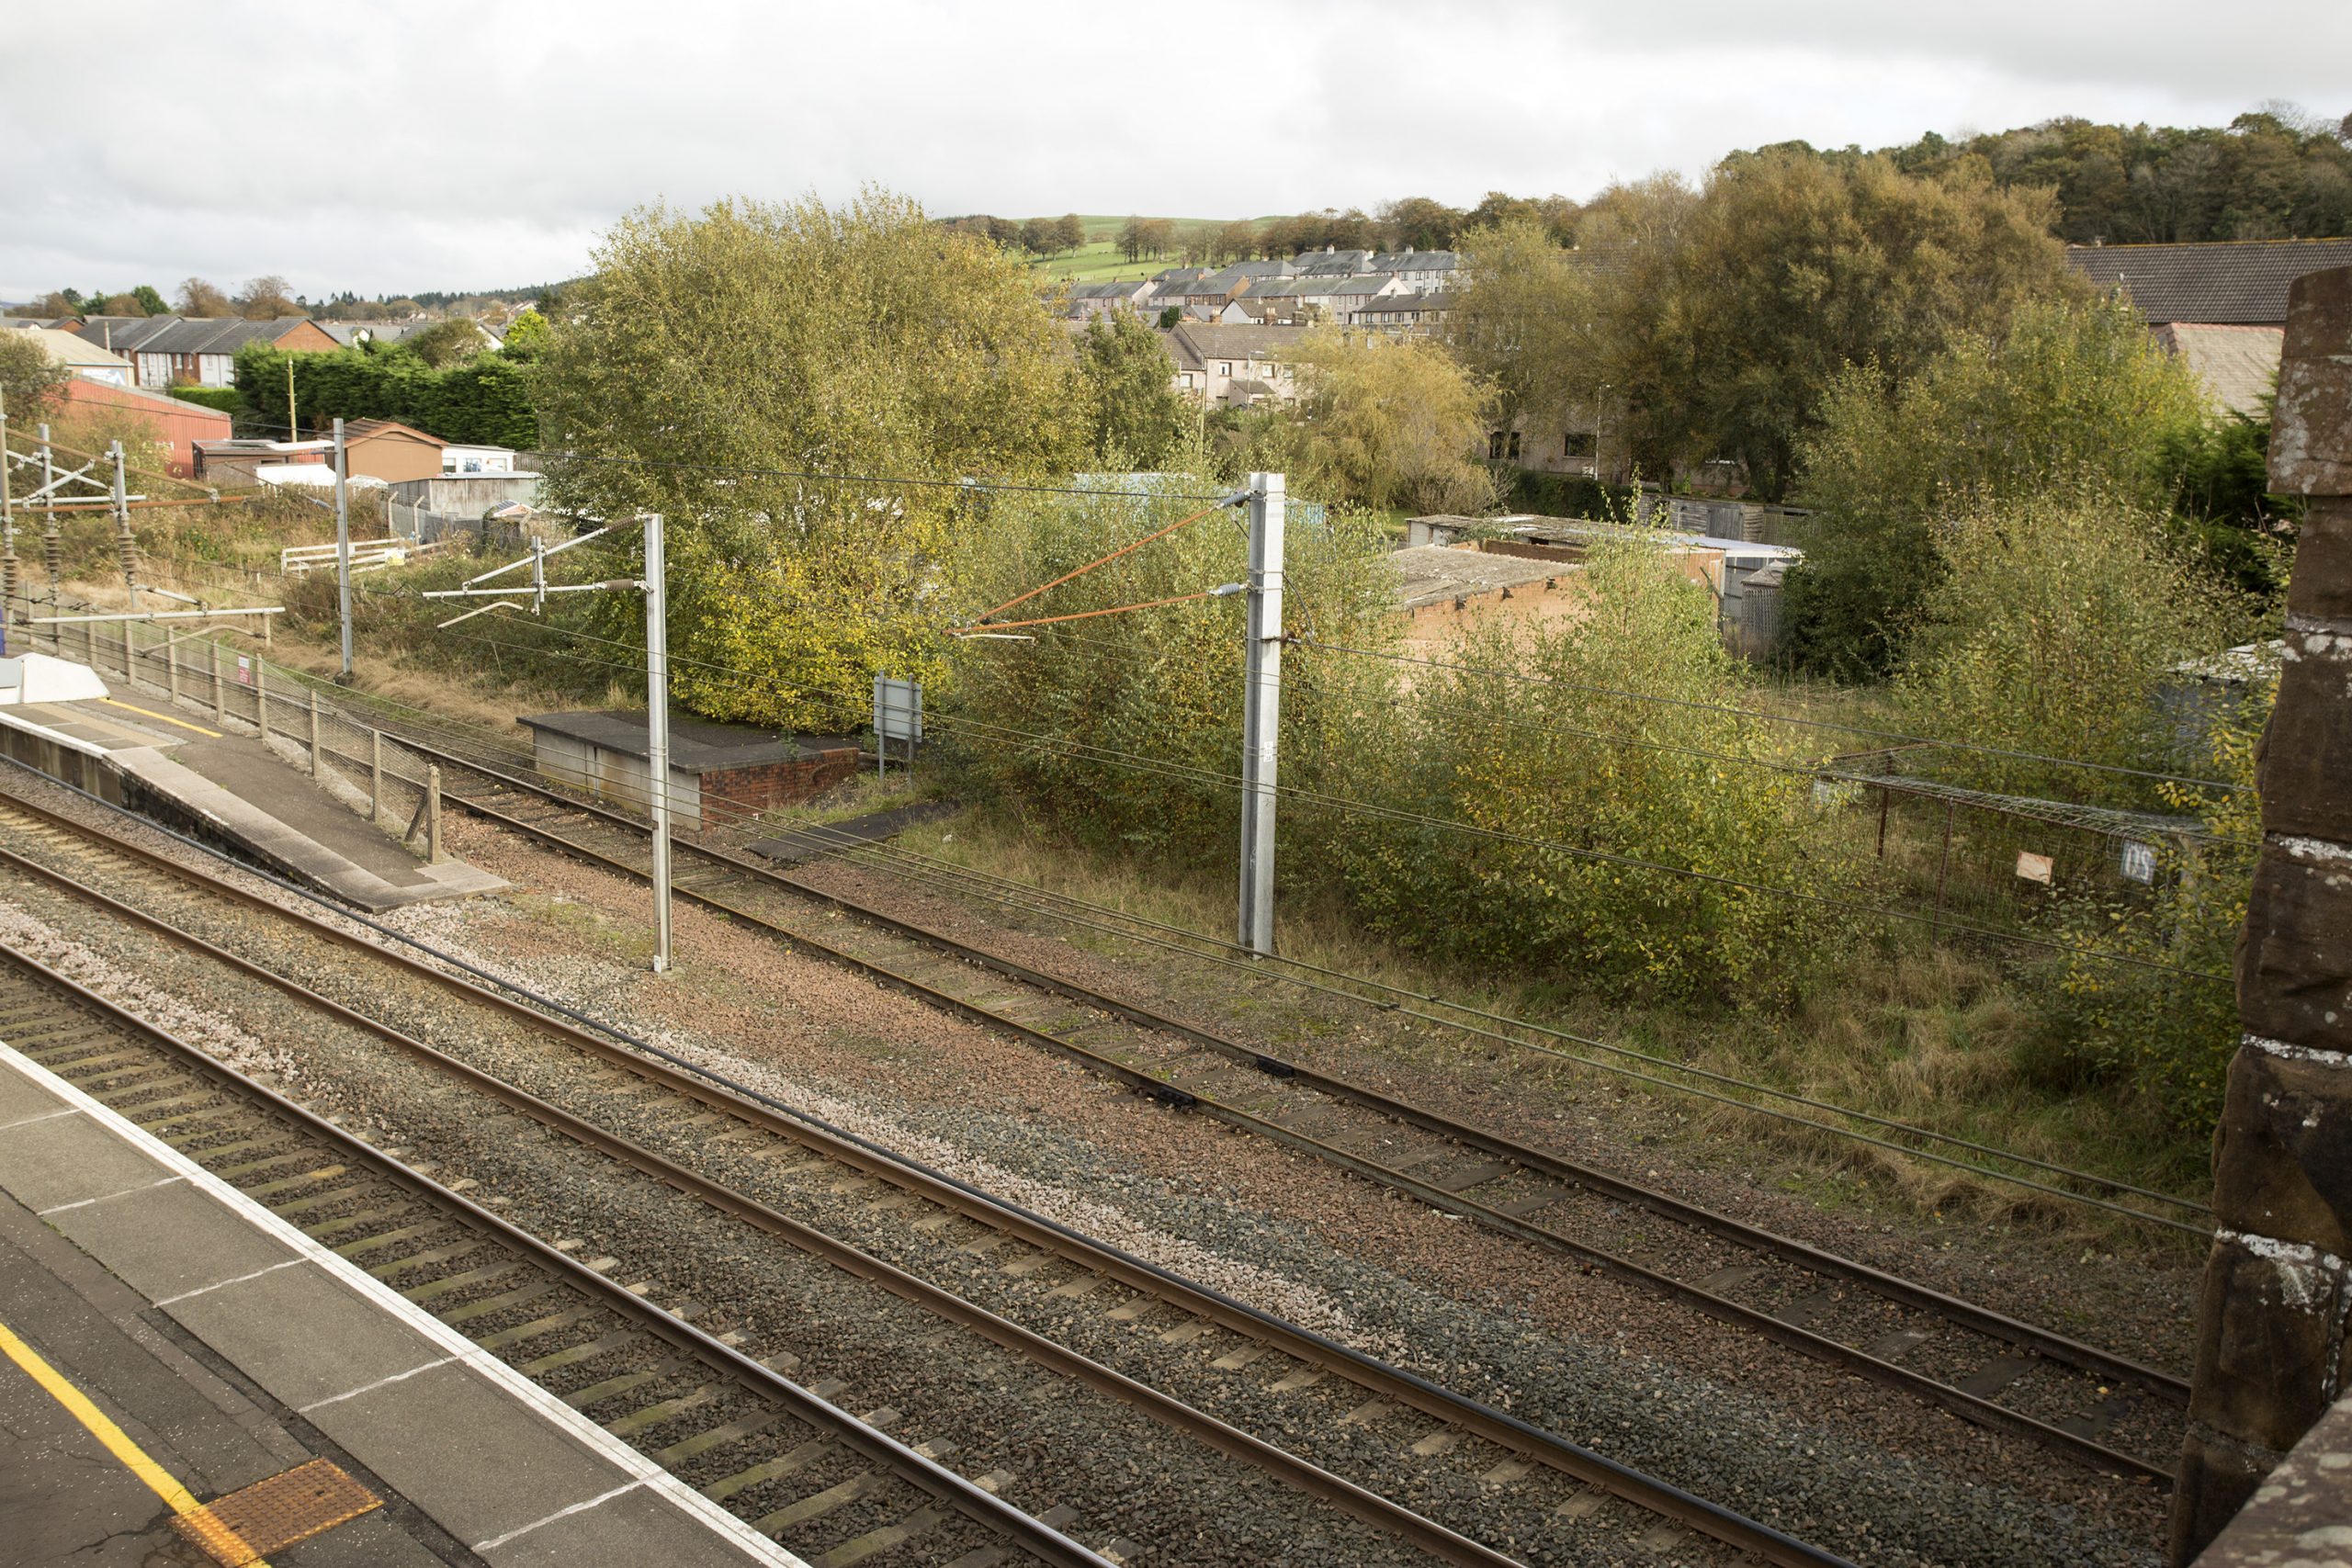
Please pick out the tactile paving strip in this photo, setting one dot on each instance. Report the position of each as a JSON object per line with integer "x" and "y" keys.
{"x": 269, "y": 1515}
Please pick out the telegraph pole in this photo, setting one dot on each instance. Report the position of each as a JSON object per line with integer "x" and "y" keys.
{"x": 1262, "y": 712}
{"x": 293, "y": 431}
{"x": 342, "y": 542}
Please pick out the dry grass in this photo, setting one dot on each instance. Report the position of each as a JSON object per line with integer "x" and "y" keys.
{"x": 1931, "y": 1037}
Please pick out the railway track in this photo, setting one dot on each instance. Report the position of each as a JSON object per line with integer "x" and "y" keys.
{"x": 1359, "y": 1432}
{"x": 2093, "y": 1404}
{"x": 782, "y": 1457}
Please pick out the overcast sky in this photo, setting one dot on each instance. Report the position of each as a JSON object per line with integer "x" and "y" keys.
{"x": 414, "y": 144}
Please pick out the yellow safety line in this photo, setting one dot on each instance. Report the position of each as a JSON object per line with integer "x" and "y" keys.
{"x": 117, "y": 1442}
{"x": 167, "y": 718}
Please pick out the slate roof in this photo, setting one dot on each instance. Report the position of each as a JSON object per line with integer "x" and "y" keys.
{"x": 1413, "y": 261}
{"x": 182, "y": 334}
{"x": 1236, "y": 340}
{"x": 1399, "y": 304}
{"x": 2236, "y": 282}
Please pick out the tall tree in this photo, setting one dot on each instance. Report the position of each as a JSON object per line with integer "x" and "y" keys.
{"x": 29, "y": 379}
{"x": 1037, "y": 235}
{"x": 198, "y": 297}
{"x": 2066, "y": 400}
{"x": 717, "y": 363}
{"x": 150, "y": 303}
{"x": 1156, "y": 236}
{"x": 1795, "y": 266}
{"x": 1420, "y": 224}
{"x": 264, "y": 299}
{"x": 1134, "y": 413}
{"x": 1384, "y": 425}
{"x": 1070, "y": 233}
{"x": 1131, "y": 243}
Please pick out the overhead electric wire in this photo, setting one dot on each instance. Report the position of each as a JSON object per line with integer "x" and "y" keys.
{"x": 1978, "y": 747}
{"x": 1188, "y": 772}
{"x": 1249, "y": 964}
{"x": 933, "y": 871}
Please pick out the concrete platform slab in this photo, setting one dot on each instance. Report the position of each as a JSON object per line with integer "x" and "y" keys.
{"x": 65, "y": 1498}
{"x": 628, "y": 1527}
{"x": 232, "y": 788}
{"x": 21, "y": 1100}
{"x": 165, "y": 1241}
{"x": 55, "y": 1161}
{"x": 446, "y": 1432}
{"x": 318, "y": 1338}
{"x": 485, "y": 1457}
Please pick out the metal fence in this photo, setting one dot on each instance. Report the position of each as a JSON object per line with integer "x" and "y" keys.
{"x": 429, "y": 527}
{"x": 2008, "y": 861}
{"x": 241, "y": 692}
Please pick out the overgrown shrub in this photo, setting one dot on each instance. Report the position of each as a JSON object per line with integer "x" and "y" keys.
{"x": 1618, "y": 779}
{"x": 1568, "y": 495}
{"x": 2053, "y": 625}
{"x": 1041, "y": 720}
{"x": 2168, "y": 1035}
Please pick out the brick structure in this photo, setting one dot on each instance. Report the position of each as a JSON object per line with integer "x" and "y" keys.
{"x": 2271, "y": 1334}
{"x": 718, "y": 773}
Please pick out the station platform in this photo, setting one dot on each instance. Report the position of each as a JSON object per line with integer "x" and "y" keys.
{"x": 234, "y": 789}
{"x": 185, "y": 1379}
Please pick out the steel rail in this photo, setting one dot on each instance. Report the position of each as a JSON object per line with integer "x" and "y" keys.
{"x": 984, "y": 1508}
{"x": 1968, "y": 1314}
{"x": 1504, "y": 1431}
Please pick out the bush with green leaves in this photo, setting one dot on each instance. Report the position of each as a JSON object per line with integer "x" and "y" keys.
{"x": 2140, "y": 1022}
{"x": 2053, "y": 625}
{"x": 720, "y": 362}
{"x": 1050, "y": 720}
{"x": 2070, "y": 397}
{"x": 1614, "y": 780}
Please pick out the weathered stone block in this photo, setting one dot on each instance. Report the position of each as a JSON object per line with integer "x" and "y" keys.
{"x": 2307, "y": 746}
{"x": 2322, "y": 594}
{"x": 2294, "y": 960}
{"x": 2310, "y": 442}
{"x": 2217, "y": 1478}
{"x": 2282, "y": 1161}
{"x": 2267, "y": 1329}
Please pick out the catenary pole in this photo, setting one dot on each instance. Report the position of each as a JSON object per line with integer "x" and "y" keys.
{"x": 7, "y": 535}
{"x": 1262, "y": 712}
{"x": 657, "y": 728}
{"x": 343, "y": 543}
{"x": 119, "y": 497}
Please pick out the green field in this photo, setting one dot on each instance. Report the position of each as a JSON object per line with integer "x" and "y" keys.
{"x": 1100, "y": 261}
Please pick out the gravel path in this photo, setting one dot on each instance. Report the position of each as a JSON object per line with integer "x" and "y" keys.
{"x": 1759, "y": 1428}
